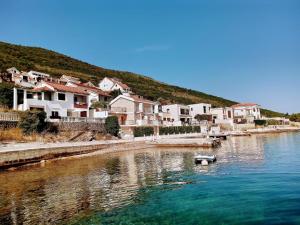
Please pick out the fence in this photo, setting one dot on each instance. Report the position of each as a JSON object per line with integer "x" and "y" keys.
{"x": 7, "y": 116}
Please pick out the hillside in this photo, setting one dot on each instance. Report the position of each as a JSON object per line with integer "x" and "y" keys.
{"x": 33, "y": 58}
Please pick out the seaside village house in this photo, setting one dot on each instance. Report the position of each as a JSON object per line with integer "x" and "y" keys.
{"x": 133, "y": 110}
{"x": 68, "y": 101}
{"x": 177, "y": 114}
{"x": 57, "y": 100}
{"x": 200, "y": 109}
{"x": 111, "y": 84}
{"x": 246, "y": 112}
{"x": 222, "y": 115}
{"x": 26, "y": 79}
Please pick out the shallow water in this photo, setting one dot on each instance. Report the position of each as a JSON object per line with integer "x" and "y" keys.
{"x": 255, "y": 181}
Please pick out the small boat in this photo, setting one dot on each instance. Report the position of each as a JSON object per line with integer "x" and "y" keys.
{"x": 209, "y": 158}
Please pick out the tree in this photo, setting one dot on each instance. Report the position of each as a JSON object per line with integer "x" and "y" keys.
{"x": 33, "y": 121}
{"x": 6, "y": 94}
{"x": 295, "y": 117}
{"x": 115, "y": 93}
{"x": 99, "y": 105}
{"x": 199, "y": 117}
{"x": 112, "y": 125}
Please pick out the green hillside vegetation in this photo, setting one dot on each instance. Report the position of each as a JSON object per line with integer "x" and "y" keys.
{"x": 33, "y": 58}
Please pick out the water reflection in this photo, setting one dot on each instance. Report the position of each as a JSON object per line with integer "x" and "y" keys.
{"x": 62, "y": 189}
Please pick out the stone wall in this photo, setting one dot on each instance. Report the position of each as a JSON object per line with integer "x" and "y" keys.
{"x": 8, "y": 124}
{"x": 81, "y": 126}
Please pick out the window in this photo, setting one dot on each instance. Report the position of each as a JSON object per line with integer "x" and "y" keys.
{"x": 204, "y": 109}
{"x": 47, "y": 96}
{"x": 29, "y": 95}
{"x": 39, "y": 96}
{"x": 54, "y": 114}
{"x": 61, "y": 96}
{"x": 191, "y": 109}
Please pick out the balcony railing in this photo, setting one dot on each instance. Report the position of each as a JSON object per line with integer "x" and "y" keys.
{"x": 118, "y": 110}
{"x": 81, "y": 105}
{"x": 9, "y": 116}
{"x": 81, "y": 119}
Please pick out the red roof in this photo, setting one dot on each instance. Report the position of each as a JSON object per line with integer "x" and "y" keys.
{"x": 137, "y": 98}
{"x": 45, "y": 88}
{"x": 64, "y": 88}
{"x": 117, "y": 81}
{"x": 244, "y": 105}
{"x": 95, "y": 89}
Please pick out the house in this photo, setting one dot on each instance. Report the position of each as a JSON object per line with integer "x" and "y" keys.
{"x": 180, "y": 114}
{"x": 66, "y": 78}
{"x": 135, "y": 110}
{"x": 56, "y": 99}
{"x": 246, "y": 112}
{"x": 95, "y": 95}
{"x": 200, "y": 109}
{"x": 36, "y": 76}
{"x": 222, "y": 115}
{"x": 111, "y": 84}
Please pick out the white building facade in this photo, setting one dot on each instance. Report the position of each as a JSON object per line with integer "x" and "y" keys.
{"x": 180, "y": 114}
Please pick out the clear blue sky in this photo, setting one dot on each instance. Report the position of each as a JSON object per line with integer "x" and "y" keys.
{"x": 245, "y": 50}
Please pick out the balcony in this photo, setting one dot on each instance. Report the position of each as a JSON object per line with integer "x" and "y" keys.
{"x": 80, "y": 105}
{"x": 118, "y": 110}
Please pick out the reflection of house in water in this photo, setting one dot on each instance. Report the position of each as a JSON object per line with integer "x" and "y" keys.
{"x": 249, "y": 149}
{"x": 61, "y": 190}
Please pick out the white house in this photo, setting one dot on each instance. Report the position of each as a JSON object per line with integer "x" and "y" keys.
{"x": 180, "y": 114}
{"x": 199, "y": 109}
{"x": 37, "y": 76}
{"x": 111, "y": 84}
{"x": 95, "y": 95}
{"x": 57, "y": 100}
{"x": 222, "y": 115}
{"x": 66, "y": 78}
{"x": 246, "y": 111}
{"x": 135, "y": 110}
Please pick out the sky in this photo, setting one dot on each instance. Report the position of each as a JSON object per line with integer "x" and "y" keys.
{"x": 243, "y": 50}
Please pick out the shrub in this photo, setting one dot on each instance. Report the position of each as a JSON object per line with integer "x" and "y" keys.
{"x": 274, "y": 122}
{"x": 33, "y": 122}
{"x": 260, "y": 122}
{"x": 143, "y": 131}
{"x": 112, "y": 125}
{"x": 6, "y": 94}
{"x": 199, "y": 117}
{"x": 295, "y": 117}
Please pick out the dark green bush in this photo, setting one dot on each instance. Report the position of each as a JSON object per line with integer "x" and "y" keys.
{"x": 179, "y": 130}
{"x": 143, "y": 131}
{"x": 260, "y": 122}
{"x": 112, "y": 125}
{"x": 6, "y": 94}
{"x": 33, "y": 122}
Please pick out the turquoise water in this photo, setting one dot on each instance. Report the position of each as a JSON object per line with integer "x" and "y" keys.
{"x": 256, "y": 180}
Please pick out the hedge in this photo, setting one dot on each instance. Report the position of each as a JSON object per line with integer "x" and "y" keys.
{"x": 112, "y": 125}
{"x": 179, "y": 130}
{"x": 260, "y": 122}
{"x": 143, "y": 131}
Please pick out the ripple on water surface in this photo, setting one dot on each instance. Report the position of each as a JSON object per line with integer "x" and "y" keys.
{"x": 255, "y": 181}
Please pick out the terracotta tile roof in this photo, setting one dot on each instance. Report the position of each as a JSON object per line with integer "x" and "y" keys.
{"x": 64, "y": 88}
{"x": 137, "y": 98}
{"x": 94, "y": 89}
{"x": 244, "y": 105}
{"x": 117, "y": 81}
{"x": 45, "y": 88}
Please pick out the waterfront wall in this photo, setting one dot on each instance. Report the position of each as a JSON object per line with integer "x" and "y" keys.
{"x": 12, "y": 158}
{"x": 81, "y": 126}
{"x": 8, "y": 124}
